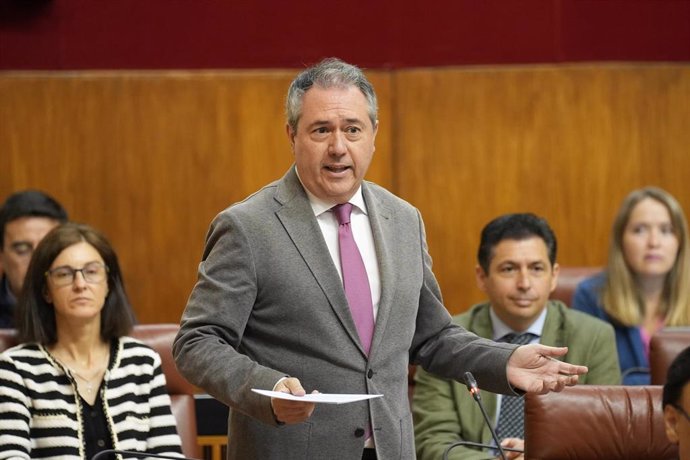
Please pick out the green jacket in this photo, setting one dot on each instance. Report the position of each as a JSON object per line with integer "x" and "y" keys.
{"x": 444, "y": 411}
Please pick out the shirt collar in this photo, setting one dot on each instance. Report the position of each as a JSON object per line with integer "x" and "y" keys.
{"x": 320, "y": 206}
{"x": 501, "y": 329}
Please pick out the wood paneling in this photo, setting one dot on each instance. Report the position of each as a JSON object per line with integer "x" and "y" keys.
{"x": 565, "y": 142}
{"x": 151, "y": 157}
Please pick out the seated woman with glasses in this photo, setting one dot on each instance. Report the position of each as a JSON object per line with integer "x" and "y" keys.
{"x": 78, "y": 384}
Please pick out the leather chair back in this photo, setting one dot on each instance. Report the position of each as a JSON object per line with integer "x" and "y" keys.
{"x": 8, "y": 339}
{"x": 593, "y": 422}
{"x": 568, "y": 279}
{"x": 159, "y": 337}
{"x": 665, "y": 345}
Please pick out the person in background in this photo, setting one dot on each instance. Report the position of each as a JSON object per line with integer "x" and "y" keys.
{"x": 676, "y": 403}
{"x": 517, "y": 269}
{"x": 77, "y": 384}
{"x": 646, "y": 284}
{"x": 322, "y": 280}
{"x": 25, "y": 218}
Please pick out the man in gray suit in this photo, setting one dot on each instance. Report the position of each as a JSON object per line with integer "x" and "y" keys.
{"x": 270, "y": 309}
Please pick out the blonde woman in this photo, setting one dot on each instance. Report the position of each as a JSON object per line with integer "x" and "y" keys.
{"x": 645, "y": 285}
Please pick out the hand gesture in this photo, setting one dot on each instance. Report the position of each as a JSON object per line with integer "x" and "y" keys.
{"x": 534, "y": 368}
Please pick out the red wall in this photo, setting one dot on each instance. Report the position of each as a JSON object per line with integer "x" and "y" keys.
{"x": 160, "y": 34}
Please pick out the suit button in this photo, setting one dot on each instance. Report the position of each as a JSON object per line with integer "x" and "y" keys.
{"x": 370, "y": 374}
{"x": 359, "y": 432}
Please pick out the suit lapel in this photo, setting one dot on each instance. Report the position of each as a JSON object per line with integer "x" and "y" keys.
{"x": 297, "y": 217}
{"x": 380, "y": 219}
{"x": 554, "y": 327}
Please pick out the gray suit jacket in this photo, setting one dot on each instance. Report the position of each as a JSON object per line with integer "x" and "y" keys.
{"x": 269, "y": 303}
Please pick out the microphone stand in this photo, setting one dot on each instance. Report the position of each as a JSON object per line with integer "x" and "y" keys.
{"x": 103, "y": 455}
{"x": 446, "y": 453}
{"x": 471, "y": 384}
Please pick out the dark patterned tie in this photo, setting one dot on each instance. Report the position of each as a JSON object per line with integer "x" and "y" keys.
{"x": 511, "y": 419}
{"x": 355, "y": 279}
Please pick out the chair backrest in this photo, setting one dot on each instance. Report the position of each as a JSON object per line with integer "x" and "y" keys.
{"x": 592, "y": 422}
{"x": 663, "y": 348}
{"x": 159, "y": 337}
{"x": 8, "y": 339}
{"x": 568, "y": 279}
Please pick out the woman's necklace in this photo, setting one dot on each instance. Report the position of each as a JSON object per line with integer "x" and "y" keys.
{"x": 89, "y": 382}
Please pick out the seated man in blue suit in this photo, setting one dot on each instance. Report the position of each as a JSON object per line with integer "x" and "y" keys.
{"x": 517, "y": 270}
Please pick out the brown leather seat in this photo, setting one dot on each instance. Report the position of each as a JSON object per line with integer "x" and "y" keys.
{"x": 568, "y": 279}
{"x": 8, "y": 339}
{"x": 593, "y": 422}
{"x": 663, "y": 348}
{"x": 159, "y": 337}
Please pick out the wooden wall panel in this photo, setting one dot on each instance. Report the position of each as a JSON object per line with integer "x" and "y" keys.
{"x": 151, "y": 158}
{"x": 565, "y": 142}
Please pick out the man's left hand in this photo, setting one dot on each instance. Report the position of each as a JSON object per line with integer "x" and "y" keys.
{"x": 534, "y": 368}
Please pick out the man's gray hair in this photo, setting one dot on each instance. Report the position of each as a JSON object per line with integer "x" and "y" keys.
{"x": 329, "y": 73}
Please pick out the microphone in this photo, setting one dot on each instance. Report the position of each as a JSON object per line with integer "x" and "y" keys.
{"x": 474, "y": 390}
{"x": 103, "y": 455}
{"x": 475, "y": 444}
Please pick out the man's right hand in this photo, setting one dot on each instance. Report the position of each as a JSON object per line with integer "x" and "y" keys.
{"x": 291, "y": 412}
{"x": 515, "y": 443}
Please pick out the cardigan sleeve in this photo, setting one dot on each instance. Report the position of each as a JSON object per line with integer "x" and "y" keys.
{"x": 163, "y": 438}
{"x": 14, "y": 412}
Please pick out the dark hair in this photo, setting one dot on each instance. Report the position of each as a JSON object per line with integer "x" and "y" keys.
{"x": 36, "y": 317}
{"x": 329, "y": 73}
{"x": 514, "y": 227}
{"x": 29, "y": 203}
{"x": 678, "y": 376}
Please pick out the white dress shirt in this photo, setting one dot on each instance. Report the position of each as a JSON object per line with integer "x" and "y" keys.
{"x": 361, "y": 230}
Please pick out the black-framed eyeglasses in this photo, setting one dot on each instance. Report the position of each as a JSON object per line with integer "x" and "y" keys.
{"x": 682, "y": 411}
{"x": 94, "y": 272}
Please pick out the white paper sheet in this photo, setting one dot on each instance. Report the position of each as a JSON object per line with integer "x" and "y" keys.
{"x": 323, "y": 398}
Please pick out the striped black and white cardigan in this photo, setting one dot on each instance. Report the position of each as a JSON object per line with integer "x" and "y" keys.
{"x": 40, "y": 410}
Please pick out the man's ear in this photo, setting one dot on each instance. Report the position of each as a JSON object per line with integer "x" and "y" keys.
{"x": 481, "y": 277}
{"x": 671, "y": 422}
{"x": 291, "y": 136}
{"x": 376, "y": 130}
{"x": 554, "y": 279}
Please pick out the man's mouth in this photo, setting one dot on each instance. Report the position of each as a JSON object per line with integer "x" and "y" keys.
{"x": 336, "y": 168}
{"x": 524, "y": 301}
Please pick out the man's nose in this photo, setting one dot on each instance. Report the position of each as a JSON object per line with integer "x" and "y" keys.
{"x": 337, "y": 143}
{"x": 523, "y": 280}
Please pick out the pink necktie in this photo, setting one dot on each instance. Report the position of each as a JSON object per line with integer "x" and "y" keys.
{"x": 355, "y": 280}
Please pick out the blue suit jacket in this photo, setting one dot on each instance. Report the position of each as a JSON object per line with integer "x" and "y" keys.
{"x": 631, "y": 354}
